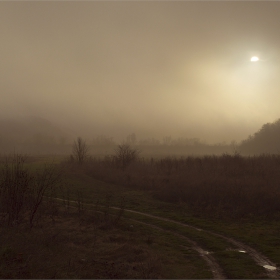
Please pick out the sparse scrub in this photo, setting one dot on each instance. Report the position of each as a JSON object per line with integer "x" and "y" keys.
{"x": 87, "y": 237}
{"x": 227, "y": 186}
{"x": 44, "y": 182}
{"x": 14, "y": 186}
{"x": 22, "y": 190}
{"x": 74, "y": 250}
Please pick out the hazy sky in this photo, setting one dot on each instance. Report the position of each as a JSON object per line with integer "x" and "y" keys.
{"x": 156, "y": 68}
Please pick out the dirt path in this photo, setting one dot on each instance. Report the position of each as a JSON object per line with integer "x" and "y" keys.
{"x": 260, "y": 259}
{"x": 211, "y": 262}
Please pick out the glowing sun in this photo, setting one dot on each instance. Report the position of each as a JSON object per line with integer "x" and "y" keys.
{"x": 254, "y": 59}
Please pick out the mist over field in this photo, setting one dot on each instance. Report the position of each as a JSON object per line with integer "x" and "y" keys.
{"x": 157, "y": 70}
{"x": 139, "y": 139}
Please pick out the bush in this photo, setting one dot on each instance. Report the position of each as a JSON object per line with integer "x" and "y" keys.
{"x": 125, "y": 155}
{"x": 22, "y": 191}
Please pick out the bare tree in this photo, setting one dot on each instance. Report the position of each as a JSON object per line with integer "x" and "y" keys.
{"x": 44, "y": 181}
{"x": 80, "y": 150}
{"x": 14, "y": 184}
{"x": 22, "y": 190}
{"x": 124, "y": 155}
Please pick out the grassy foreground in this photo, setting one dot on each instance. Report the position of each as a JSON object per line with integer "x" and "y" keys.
{"x": 73, "y": 242}
{"x": 70, "y": 240}
{"x": 91, "y": 247}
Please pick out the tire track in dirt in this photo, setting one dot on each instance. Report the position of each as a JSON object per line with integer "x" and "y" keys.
{"x": 210, "y": 260}
{"x": 258, "y": 257}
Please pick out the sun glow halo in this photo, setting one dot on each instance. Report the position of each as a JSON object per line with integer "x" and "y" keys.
{"x": 254, "y": 59}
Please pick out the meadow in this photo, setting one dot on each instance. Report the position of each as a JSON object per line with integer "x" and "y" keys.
{"x": 173, "y": 217}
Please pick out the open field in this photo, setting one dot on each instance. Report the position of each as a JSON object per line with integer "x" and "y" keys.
{"x": 124, "y": 226}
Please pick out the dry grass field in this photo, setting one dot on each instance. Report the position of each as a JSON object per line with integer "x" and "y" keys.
{"x": 207, "y": 217}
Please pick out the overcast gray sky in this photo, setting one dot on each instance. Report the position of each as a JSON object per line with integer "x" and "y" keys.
{"x": 156, "y": 68}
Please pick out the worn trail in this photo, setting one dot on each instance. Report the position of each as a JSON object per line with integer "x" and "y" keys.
{"x": 259, "y": 258}
{"x": 210, "y": 260}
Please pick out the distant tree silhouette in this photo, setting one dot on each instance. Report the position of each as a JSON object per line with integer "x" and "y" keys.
{"x": 124, "y": 155}
{"x": 149, "y": 141}
{"x": 266, "y": 140}
{"x": 103, "y": 140}
{"x": 167, "y": 140}
{"x": 131, "y": 139}
{"x": 80, "y": 150}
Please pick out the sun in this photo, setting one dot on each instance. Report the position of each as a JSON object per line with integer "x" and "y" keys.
{"x": 254, "y": 59}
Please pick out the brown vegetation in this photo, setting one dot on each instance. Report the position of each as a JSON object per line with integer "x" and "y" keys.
{"x": 229, "y": 186}
{"x": 71, "y": 246}
{"x": 22, "y": 190}
{"x": 44, "y": 238}
{"x": 266, "y": 140}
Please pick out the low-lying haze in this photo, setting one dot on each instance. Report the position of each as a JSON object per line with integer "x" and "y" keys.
{"x": 153, "y": 68}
